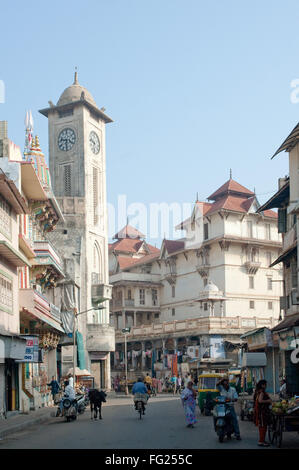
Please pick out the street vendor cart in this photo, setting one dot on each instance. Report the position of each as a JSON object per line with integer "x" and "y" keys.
{"x": 283, "y": 420}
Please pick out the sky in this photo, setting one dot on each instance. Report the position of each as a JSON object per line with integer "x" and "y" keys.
{"x": 194, "y": 88}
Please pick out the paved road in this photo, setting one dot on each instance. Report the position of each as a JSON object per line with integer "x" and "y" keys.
{"x": 163, "y": 427}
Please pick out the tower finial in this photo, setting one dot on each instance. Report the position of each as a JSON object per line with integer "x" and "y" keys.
{"x": 230, "y": 174}
{"x": 76, "y": 76}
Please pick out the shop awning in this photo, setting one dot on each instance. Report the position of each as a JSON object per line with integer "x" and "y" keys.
{"x": 277, "y": 198}
{"x": 11, "y": 346}
{"x": 13, "y": 256}
{"x": 287, "y": 254}
{"x": 288, "y": 322}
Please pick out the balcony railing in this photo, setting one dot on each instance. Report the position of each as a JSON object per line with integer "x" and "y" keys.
{"x": 129, "y": 302}
{"x": 203, "y": 324}
{"x": 35, "y": 303}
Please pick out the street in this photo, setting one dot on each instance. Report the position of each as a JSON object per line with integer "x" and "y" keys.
{"x": 163, "y": 427}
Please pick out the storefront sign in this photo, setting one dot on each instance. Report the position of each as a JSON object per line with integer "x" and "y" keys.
{"x": 31, "y": 350}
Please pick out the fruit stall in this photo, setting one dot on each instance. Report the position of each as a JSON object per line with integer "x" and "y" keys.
{"x": 285, "y": 418}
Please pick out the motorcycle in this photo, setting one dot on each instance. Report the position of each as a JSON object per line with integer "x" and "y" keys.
{"x": 222, "y": 418}
{"x": 82, "y": 402}
{"x": 69, "y": 409}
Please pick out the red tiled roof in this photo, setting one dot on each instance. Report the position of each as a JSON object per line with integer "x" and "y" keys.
{"x": 270, "y": 213}
{"x": 231, "y": 203}
{"x": 230, "y": 187}
{"x": 129, "y": 245}
{"x": 125, "y": 261}
{"x": 173, "y": 245}
{"x": 128, "y": 232}
{"x": 145, "y": 259}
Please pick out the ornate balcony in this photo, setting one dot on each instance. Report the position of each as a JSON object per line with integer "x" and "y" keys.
{"x": 252, "y": 266}
{"x": 35, "y": 307}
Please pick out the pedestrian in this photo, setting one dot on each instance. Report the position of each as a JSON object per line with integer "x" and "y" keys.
{"x": 283, "y": 389}
{"x": 230, "y": 393}
{"x": 188, "y": 398}
{"x": 262, "y": 402}
{"x": 179, "y": 383}
{"x": 70, "y": 380}
{"x": 54, "y": 386}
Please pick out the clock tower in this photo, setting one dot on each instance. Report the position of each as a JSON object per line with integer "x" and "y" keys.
{"x": 77, "y": 161}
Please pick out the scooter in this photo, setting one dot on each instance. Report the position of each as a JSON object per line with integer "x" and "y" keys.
{"x": 82, "y": 402}
{"x": 222, "y": 418}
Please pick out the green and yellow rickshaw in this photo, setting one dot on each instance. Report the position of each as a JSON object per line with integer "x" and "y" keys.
{"x": 207, "y": 383}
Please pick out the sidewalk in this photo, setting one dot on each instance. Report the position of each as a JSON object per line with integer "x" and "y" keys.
{"x": 20, "y": 421}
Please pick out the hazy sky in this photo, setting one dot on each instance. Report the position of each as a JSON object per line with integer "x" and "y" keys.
{"x": 194, "y": 87}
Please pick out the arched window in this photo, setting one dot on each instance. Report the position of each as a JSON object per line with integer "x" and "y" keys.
{"x": 97, "y": 264}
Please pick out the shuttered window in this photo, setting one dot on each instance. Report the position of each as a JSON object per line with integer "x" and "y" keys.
{"x": 67, "y": 180}
{"x": 282, "y": 220}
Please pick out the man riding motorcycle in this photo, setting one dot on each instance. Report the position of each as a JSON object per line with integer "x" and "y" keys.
{"x": 69, "y": 392}
{"x": 139, "y": 387}
{"x": 230, "y": 393}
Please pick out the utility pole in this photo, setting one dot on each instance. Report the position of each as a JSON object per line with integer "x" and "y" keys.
{"x": 126, "y": 331}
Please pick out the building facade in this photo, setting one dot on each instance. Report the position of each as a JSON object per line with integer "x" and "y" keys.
{"x": 211, "y": 286}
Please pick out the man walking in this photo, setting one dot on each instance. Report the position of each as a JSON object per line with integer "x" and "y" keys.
{"x": 54, "y": 386}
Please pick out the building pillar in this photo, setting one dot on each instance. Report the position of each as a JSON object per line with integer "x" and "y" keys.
{"x": 134, "y": 359}
{"x": 135, "y": 318}
{"x": 108, "y": 373}
{"x": 123, "y": 319}
{"x": 221, "y": 308}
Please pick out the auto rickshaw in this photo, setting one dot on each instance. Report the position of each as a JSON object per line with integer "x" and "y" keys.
{"x": 207, "y": 383}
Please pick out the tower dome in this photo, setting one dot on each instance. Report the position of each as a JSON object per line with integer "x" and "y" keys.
{"x": 75, "y": 92}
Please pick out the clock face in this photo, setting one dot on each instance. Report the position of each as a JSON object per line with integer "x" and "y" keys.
{"x": 94, "y": 142}
{"x": 66, "y": 139}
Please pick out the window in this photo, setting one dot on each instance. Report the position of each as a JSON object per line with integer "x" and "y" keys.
{"x": 6, "y": 300}
{"x": 67, "y": 180}
{"x": 205, "y": 281}
{"x": 5, "y": 220}
{"x": 156, "y": 315}
{"x": 173, "y": 312}
{"x": 173, "y": 291}
{"x": 269, "y": 283}
{"x": 205, "y": 306}
{"x": 142, "y": 296}
{"x": 154, "y": 297}
{"x": 268, "y": 231}
{"x": 254, "y": 257}
{"x": 269, "y": 258}
{"x": 251, "y": 304}
{"x": 251, "y": 282}
{"x": 282, "y": 220}
{"x": 206, "y": 231}
{"x": 148, "y": 316}
{"x": 249, "y": 229}
{"x": 129, "y": 294}
{"x": 95, "y": 185}
{"x": 270, "y": 305}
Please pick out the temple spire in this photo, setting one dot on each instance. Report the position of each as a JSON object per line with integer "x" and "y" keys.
{"x": 230, "y": 174}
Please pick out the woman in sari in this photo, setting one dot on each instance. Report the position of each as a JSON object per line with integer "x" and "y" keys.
{"x": 188, "y": 397}
{"x": 262, "y": 401}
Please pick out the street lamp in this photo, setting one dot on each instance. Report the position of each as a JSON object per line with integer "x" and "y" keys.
{"x": 126, "y": 331}
{"x": 76, "y": 314}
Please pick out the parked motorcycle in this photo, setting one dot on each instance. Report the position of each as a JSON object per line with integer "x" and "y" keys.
{"x": 82, "y": 402}
{"x": 222, "y": 418}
